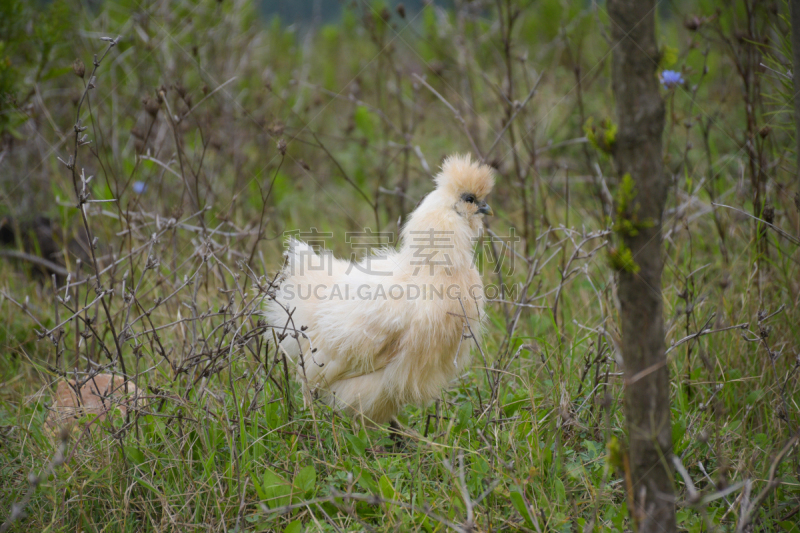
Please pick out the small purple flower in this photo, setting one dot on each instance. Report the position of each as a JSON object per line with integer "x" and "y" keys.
{"x": 139, "y": 187}
{"x": 671, "y": 78}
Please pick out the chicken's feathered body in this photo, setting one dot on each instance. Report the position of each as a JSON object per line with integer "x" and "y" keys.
{"x": 387, "y": 331}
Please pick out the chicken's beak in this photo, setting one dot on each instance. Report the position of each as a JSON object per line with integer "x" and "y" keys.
{"x": 485, "y": 209}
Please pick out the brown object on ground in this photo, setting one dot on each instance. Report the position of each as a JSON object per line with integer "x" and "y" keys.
{"x": 99, "y": 395}
{"x": 638, "y": 151}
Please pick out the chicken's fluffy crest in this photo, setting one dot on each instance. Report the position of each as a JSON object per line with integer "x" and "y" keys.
{"x": 460, "y": 173}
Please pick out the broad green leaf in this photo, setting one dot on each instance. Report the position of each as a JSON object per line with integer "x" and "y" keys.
{"x": 464, "y": 414}
{"x": 306, "y": 479}
{"x": 387, "y": 490}
{"x": 519, "y": 504}
{"x": 276, "y": 489}
{"x": 367, "y": 482}
{"x": 359, "y": 446}
{"x": 294, "y": 527}
{"x": 257, "y": 485}
{"x": 134, "y": 454}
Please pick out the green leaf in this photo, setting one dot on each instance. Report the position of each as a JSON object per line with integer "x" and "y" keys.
{"x": 678, "y": 433}
{"x": 367, "y": 482}
{"x": 464, "y": 414}
{"x": 363, "y": 120}
{"x": 257, "y": 485}
{"x": 620, "y": 514}
{"x": 306, "y": 479}
{"x": 621, "y": 259}
{"x": 208, "y": 465}
{"x": 359, "y": 446}
{"x": 669, "y": 56}
{"x": 134, "y": 454}
{"x": 146, "y": 484}
{"x": 519, "y": 504}
{"x": 276, "y": 489}
{"x": 387, "y": 490}
{"x": 561, "y": 492}
{"x": 294, "y": 527}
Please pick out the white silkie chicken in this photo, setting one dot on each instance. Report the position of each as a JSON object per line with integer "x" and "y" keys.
{"x": 373, "y": 336}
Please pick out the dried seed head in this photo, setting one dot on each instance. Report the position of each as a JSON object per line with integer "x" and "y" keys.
{"x": 282, "y": 146}
{"x": 401, "y": 10}
{"x": 79, "y": 68}
{"x": 180, "y": 89}
{"x": 303, "y": 164}
{"x": 276, "y": 128}
{"x": 152, "y": 263}
{"x": 692, "y": 23}
{"x": 769, "y": 213}
{"x": 151, "y": 105}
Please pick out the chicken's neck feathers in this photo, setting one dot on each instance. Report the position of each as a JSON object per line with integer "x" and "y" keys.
{"x": 436, "y": 233}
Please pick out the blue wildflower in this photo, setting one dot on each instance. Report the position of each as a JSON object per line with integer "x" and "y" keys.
{"x": 139, "y": 187}
{"x": 671, "y": 78}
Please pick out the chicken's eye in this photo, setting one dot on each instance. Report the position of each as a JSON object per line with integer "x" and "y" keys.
{"x": 469, "y": 198}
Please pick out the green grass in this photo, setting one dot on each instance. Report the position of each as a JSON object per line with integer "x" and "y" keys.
{"x": 223, "y": 441}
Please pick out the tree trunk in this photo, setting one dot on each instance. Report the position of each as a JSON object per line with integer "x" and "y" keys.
{"x": 795, "y": 16}
{"x": 638, "y": 152}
